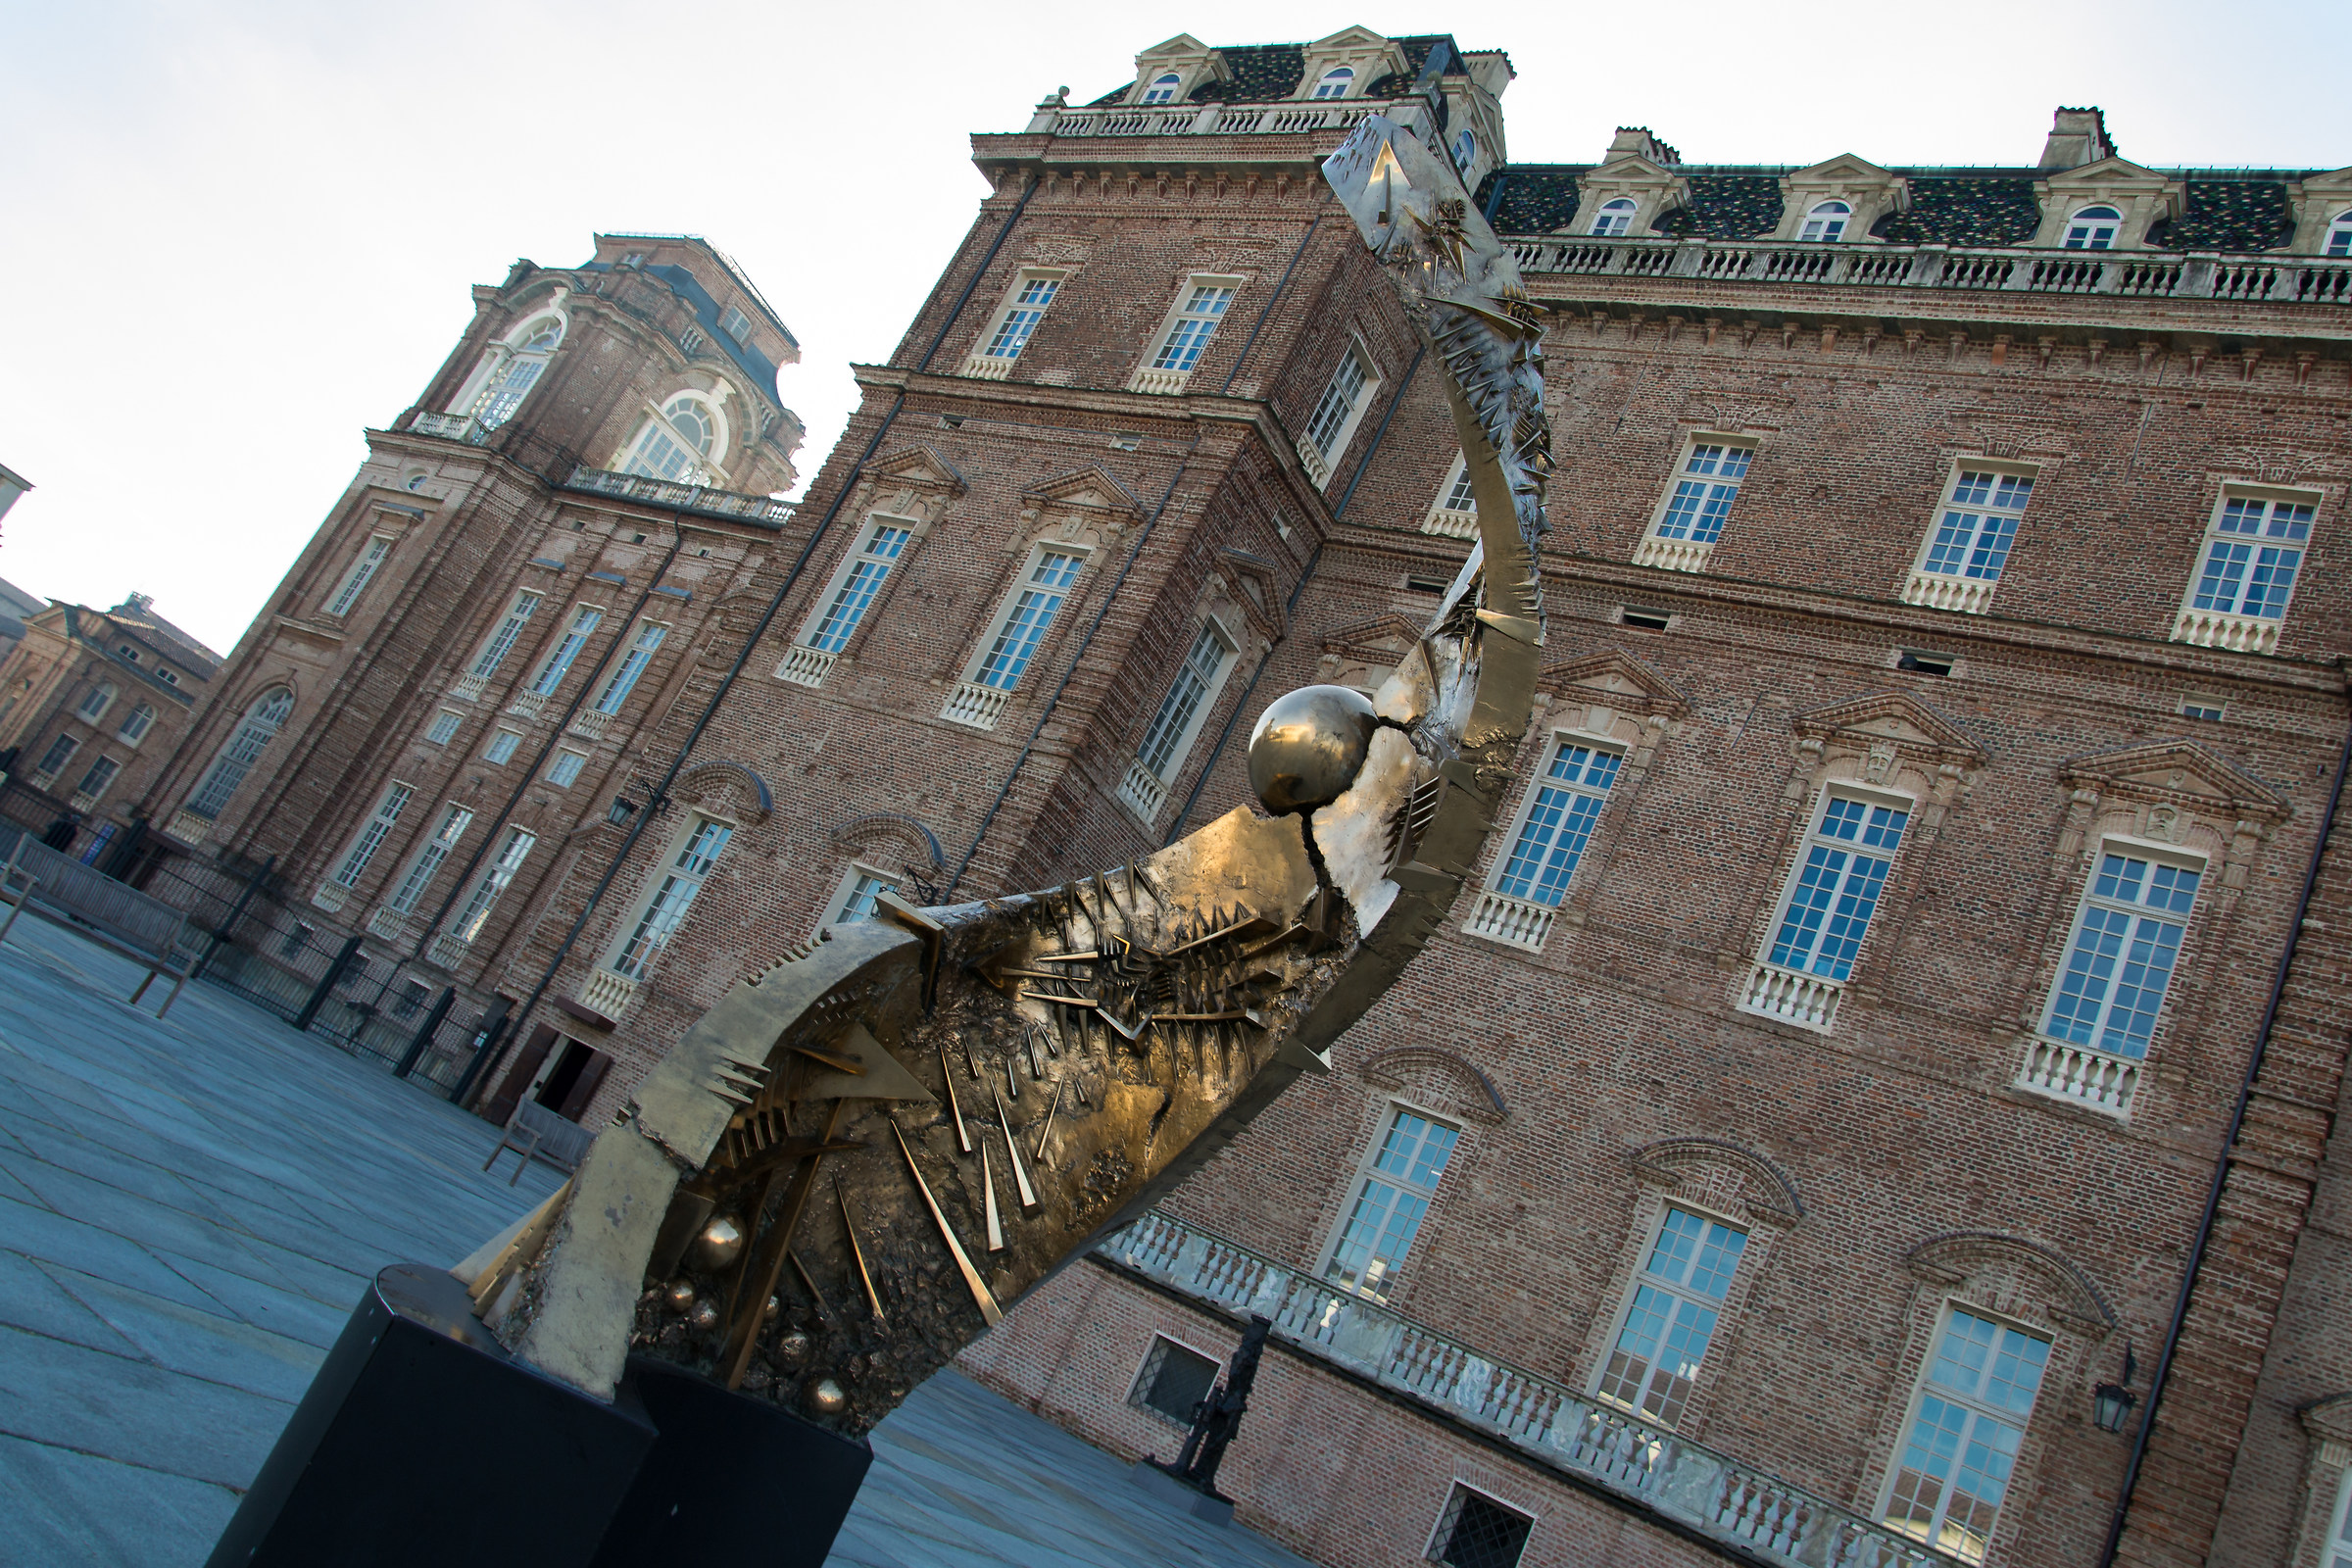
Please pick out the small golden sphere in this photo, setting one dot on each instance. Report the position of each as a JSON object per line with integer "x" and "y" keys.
{"x": 792, "y": 1349}
{"x": 679, "y": 1296}
{"x": 828, "y": 1397}
{"x": 719, "y": 1245}
{"x": 704, "y": 1318}
{"x": 1308, "y": 746}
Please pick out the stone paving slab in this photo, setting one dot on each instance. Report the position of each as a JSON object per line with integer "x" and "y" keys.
{"x": 190, "y": 1208}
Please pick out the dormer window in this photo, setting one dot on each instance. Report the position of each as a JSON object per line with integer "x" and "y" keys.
{"x": 1826, "y": 222}
{"x": 1336, "y": 82}
{"x": 1614, "y": 218}
{"x": 736, "y": 325}
{"x": 524, "y": 360}
{"x": 1465, "y": 149}
{"x": 672, "y": 446}
{"x": 2093, "y": 229}
{"x": 1164, "y": 88}
{"x": 2339, "y": 235}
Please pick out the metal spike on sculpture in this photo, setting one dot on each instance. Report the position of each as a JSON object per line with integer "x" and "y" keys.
{"x": 1111, "y": 1034}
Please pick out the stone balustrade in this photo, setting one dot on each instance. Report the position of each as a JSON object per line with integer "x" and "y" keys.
{"x": 608, "y": 992}
{"x": 1451, "y": 524}
{"x": 806, "y": 667}
{"x": 669, "y": 495}
{"x": 2213, "y": 628}
{"x": 2099, "y": 1079}
{"x": 1673, "y": 555}
{"x": 1808, "y": 1000}
{"x": 1143, "y": 792}
{"x": 1943, "y": 590}
{"x": 976, "y": 705}
{"x": 1514, "y": 922}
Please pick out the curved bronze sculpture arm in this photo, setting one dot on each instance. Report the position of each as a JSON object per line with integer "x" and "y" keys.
{"x": 847, "y": 1167}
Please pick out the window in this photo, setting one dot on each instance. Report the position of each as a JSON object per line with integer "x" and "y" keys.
{"x": 1703, "y": 494}
{"x": 2211, "y": 709}
{"x": 1021, "y": 317}
{"x": 868, "y": 569}
{"x": 2340, "y": 1520}
{"x": 254, "y": 732}
{"x": 1477, "y": 1532}
{"x": 667, "y": 909}
{"x": 1837, "y": 889}
{"x": 502, "y": 747}
{"x": 1180, "y": 712}
{"x": 503, "y": 391}
{"x": 1028, "y": 618}
{"x": 101, "y": 773}
{"x": 1560, "y": 815}
{"x": 2092, "y": 229}
{"x": 1389, "y": 1201}
{"x": 632, "y": 666}
{"x": 671, "y": 444}
{"x": 1614, "y": 218}
{"x": 60, "y": 752}
{"x": 128, "y": 652}
{"x": 494, "y": 651}
{"x": 94, "y": 706}
{"x": 1458, "y": 495}
{"x": 584, "y": 622}
{"x": 379, "y": 547}
{"x": 135, "y": 724}
{"x": 856, "y": 900}
{"x": 567, "y": 767}
{"x": 2339, "y": 235}
{"x": 1980, "y": 522}
{"x": 1465, "y": 152}
{"x": 1954, "y": 1470}
{"x": 2252, "y": 553}
{"x": 1826, "y": 222}
{"x": 169, "y": 677}
{"x": 444, "y": 727}
{"x": 493, "y": 882}
{"x": 454, "y": 822}
{"x": 1335, "y": 412}
{"x": 736, "y": 325}
{"x": 1173, "y": 1381}
{"x": 1671, "y": 1320}
{"x": 1164, "y": 88}
{"x": 1195, "y": 324}
{"x": 1336, "y": 82}
{"x": 98, "y": 842}
{"x": 371, "y": 836}
{"x": 2120, "y": 962}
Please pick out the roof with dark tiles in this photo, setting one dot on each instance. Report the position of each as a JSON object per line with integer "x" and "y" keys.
{"x": 1965, "y": 211}
{"x": 2228, "y": 215}
{"x": 1727, "y": 207}
{"x": 1261, "y": 73}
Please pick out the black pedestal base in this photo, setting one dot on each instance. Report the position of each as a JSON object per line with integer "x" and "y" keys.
{"x": 422, "y": 1439}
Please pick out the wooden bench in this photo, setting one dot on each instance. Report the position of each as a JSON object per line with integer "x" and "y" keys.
{"x": 536, "y": 1132}
{"x": 95, "y": 906}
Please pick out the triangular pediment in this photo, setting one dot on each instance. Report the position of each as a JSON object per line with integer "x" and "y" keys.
{"x": 2108, "y": 174}
{"x": 917, "y": 465}
{"x": 1089, "y": 489}
{"x": 1843, "y": 170}
{"x": 1347, "y": 38}
{"x": 1384, "y": 640}
{"x": 1616, "y": 678}
{"x": 1893, "y": 716}
{"x": 2176, "y": 770}
{"x": 1184, "y": 46}
{"x": 1255, "y": 587}
{"x": 1631, "y": 171}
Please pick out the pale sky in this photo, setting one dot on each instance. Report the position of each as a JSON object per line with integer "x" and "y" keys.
{"x": 239, "y": 232}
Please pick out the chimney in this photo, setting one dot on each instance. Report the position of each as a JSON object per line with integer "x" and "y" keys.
{"x": 2077, "y": 137}
{"x": 1637, "y": 140}
{"x": 140, "y": 604}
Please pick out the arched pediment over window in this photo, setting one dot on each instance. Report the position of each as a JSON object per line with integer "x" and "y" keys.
{"x": 729, "y": 788}
{"x": 1444, "y": 1080}
{"x": 2014, "y": 1276}
{"x": 1726, "y": 1177}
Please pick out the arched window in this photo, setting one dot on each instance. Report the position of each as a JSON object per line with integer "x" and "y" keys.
{"x": 1465, "y": 150}
{"x": 1164, "y": 88}
{"x": 1826, "y": 222}
{"x": 526, "y": 353}
{"x": 2339, "y": 235}
{"x": 94, "y": 706}
{"x": 1336, "y": 82}
{"x": 2092, "y": 229}
{"x": 253, "y": 733}
{"x": 1614, "y": 218}
{"x": 672, "y": 445}
{"x": 134, "y": 725}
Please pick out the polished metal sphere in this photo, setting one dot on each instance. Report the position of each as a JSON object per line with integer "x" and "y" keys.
{"x": 1308, "y": 746}
{"x": 828, "y": 1397}
{"x": 719, "y": 1245}
{"x": 704, "y": 1318}
{"x": 678, "y": 1296}
{"x": 792, "y": 1349}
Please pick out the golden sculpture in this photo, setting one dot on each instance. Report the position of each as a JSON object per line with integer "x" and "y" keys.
{"x": 989, "y": 1087}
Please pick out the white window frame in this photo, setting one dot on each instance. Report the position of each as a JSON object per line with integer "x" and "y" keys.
{"x": 1453, "y": 510}
{"x": 1152, "y": 375}
{"x": 1015, "y": 322}
{"x": 638, "y": 945}
{"x": 371, "y": 557}
{"x": 1009, "y": 605}
{"x": 114, "y": 772}
{"x": 1340, "y": 78}
{"x": 700, "y": 464}
{"x": 1377, "y": 1283}
{"x": 1509, "y": 845}
{"x": 2248, "y": 631}
{"x": 60, "y": 752}
{"x": 1147, "y": 1363}
{"x": 736, "y": 325}
{"x": 1671, "y": 1406}
{"x": 1976, "y": 1406}
{"x": 425, "y": 862}
{"x": 501, "y": 640}
{"x": 503, "y": 744}
{"x": 1144, "y": 790}
{"x": 95, "y": 701}
{"x": 1968, "y": 590}
{"x": 495, "y": 879}
{"x": 510, "y": 370}
{"x": 579, "y": 761}
{"x": 873, "y": 572}
{"x": 1330, "y": 426}
{"x": 1171, "y": 80}
{"x": 444, "y": 727}
{"x": 256, "y": 728}
{"x": 1685, "y": 550}
{"x": 2337, "y": 241}
{"x": 1798, "y": 993}
{"x": 2204, "y": 706}
{"x": 634, "y": 663}
{"x": 847, "y": 889}
{"x": 1614, "y": 218}
{"x": 2088, "y": 899}
{"x": 372, "y": 832}
{"x": 2335, "y": 1546}
{"x": 1441, "y": 1536}
{"x": 548, "y": 678}
{"x": 2086, "y": 232}
{"x": 1826, "y": 222}
{"x": 131, "y": 737}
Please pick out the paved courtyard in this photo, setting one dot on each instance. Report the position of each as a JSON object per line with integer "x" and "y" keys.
{"x": 188, "y": 1211}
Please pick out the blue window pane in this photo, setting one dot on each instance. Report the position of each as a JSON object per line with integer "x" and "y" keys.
{"x": 1032, "y": 617}
{"x": 1559, "y": 823}
{"x": 858, "y": 590}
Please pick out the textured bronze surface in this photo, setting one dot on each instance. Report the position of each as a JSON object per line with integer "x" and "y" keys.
{"x": 1137, "y": 1019}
